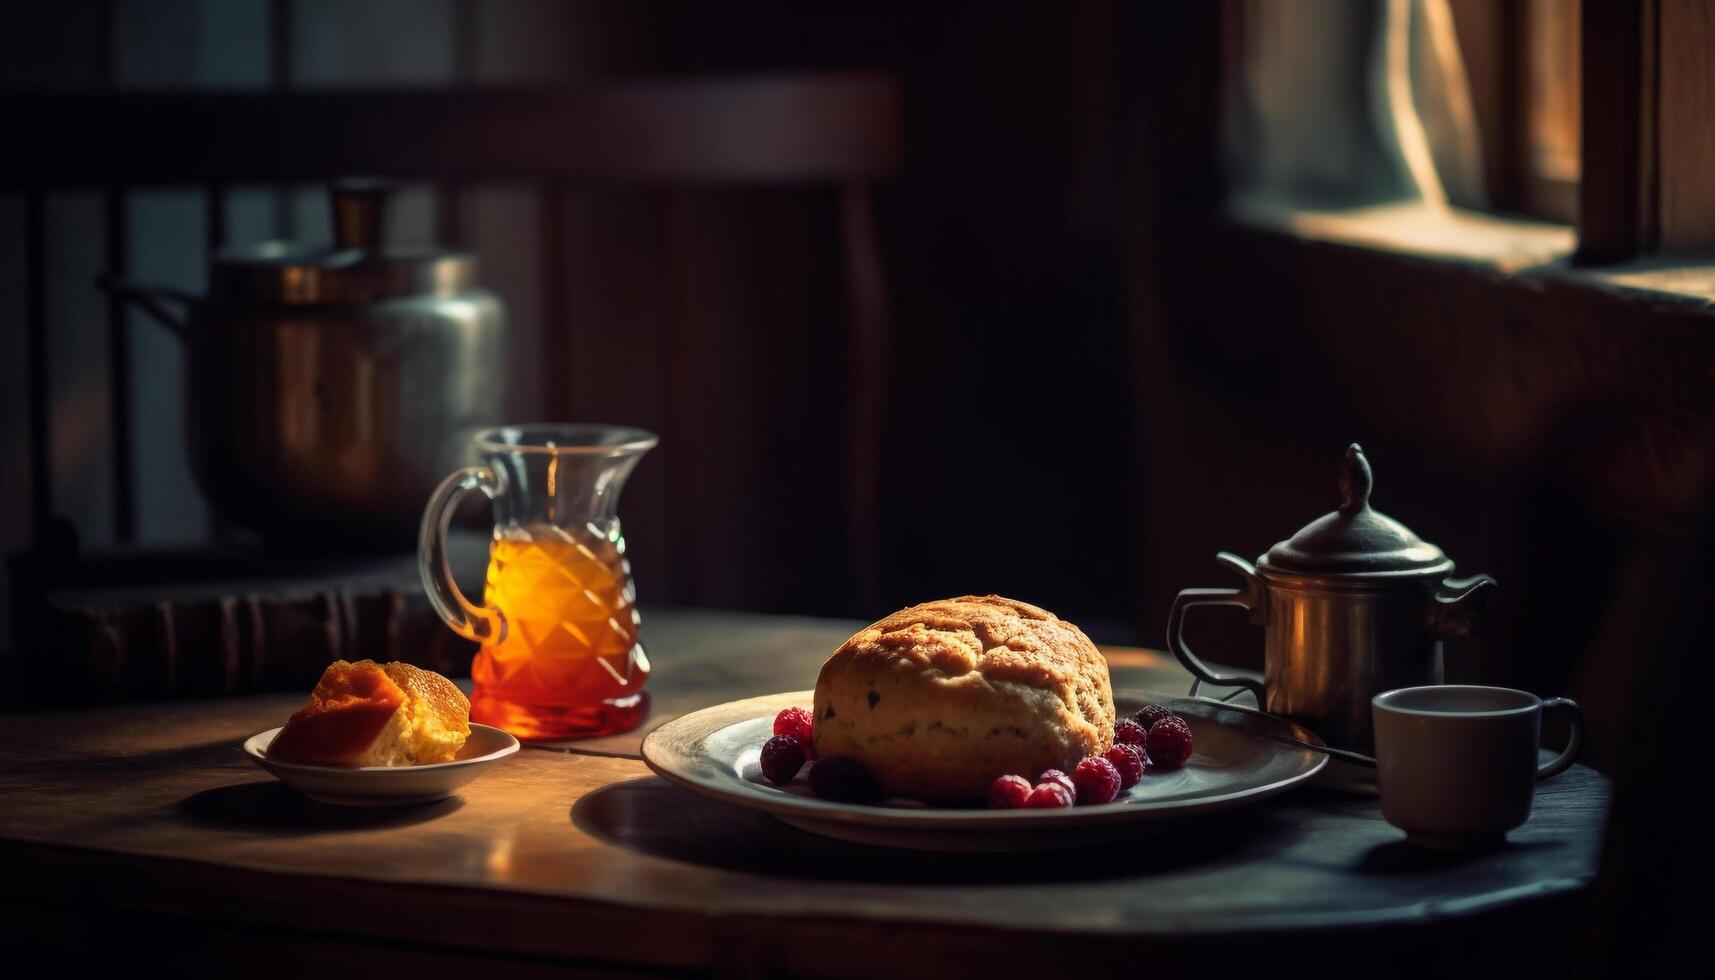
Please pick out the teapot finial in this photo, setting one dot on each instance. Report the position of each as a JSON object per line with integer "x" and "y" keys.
{"x": 1355, "y": 481}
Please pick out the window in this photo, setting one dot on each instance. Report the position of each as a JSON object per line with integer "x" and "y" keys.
{"x": 1546, "y": 143}
{"x": 1522, "y": 62}
{"x": 1589, "y": 113}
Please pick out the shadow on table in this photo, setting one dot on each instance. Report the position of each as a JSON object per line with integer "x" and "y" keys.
{"x": 1403, "y": 857}
{"x": 277, "y": 808}
{"x": 652, "y": 817}
{"x": 49, "y": 762}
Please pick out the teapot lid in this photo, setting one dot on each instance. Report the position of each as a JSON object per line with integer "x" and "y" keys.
{"x": 357, "y": 269}
{"x": 1355, "y": 540}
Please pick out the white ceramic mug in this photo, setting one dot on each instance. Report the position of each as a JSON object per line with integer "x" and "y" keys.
{"x": 1457, "y": 764}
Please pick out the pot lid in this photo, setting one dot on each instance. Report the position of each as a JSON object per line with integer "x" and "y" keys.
{"x": 1356, "y": 539}
{"x": 357, "y": 269}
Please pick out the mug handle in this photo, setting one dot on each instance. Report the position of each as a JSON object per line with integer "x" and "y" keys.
{"x": 1248, "y": 598}
{"x": 1575, "y": 717}
{"x": 484, "y": 623}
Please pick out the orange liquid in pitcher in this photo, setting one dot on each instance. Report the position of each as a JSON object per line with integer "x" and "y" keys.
{"x": 570, "y": 664}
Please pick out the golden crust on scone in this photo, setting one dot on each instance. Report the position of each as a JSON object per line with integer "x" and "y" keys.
{"x": 370, "y": 714}
{"x": 939, "y": 699}
{"x": 438, "y": 712}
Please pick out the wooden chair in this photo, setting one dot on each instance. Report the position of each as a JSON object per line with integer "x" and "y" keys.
{"x": 837, "y": 132}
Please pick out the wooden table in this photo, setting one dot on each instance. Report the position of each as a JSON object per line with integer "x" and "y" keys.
{"x": 143, "y": 832}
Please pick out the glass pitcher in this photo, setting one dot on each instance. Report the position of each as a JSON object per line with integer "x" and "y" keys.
{"x": 558, "y": 623}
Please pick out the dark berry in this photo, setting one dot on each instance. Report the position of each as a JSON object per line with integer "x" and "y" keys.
{"x": 1149, "y": 714}
{"x": 1169, "y": 742}
{"x": 1008, "y": 793}
{"x": 796, "y": 723}
{"x": 1097, "y": 781}
{"x": 782, "y": 757}
{"x": 1130, "y": 761}
{"x": 843, "y": 780}
{"x": 1128, "y": 732}
{"x": 1056, "y": 776}
{"x": 1049, "y": 796}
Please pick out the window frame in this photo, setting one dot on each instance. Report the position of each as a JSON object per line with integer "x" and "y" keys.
{"x": 1644, "y": 129}
{"x": 1644, "y": 83}
{"x": 1500, "y": 50}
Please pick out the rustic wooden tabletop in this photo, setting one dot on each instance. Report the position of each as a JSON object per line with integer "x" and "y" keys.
{"x": 144, "y": 828}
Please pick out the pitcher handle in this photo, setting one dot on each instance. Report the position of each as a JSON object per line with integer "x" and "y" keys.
{"x": 1574, "y": 740}
{"x": 1248, "y": 598}
{"x": 482, "y": 623}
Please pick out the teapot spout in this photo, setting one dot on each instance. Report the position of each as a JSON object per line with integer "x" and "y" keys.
{"x": 1457, "y": 608}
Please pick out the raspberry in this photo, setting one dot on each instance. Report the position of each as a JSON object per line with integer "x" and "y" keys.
{"x": 1056, "y": 776}
{"x": 1129, "y": 760}
{"x": 843, "y": 780}
{"x": 1049, "y": 796}
{"x": 1169, "y": 742}
{"x": 1097, "y": 781}
{"x": 1008, "y": 793}
{"x": 1149, "y": 714}
{"x": 1128, "y": 732}
{"x": 782, "y": 757}
{"x": 796, "y": 722}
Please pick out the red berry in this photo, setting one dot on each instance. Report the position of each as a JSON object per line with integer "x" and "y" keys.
{"x": 1049, "y": 796}
{"x": 1130, "y": 761}
{"x": 843, "y": 780}
{"x": 782, "y": 757}
{"x": 1097, "y": 781}
{"x": 1149, "y": 714}
{"x": 797, "y": 722}
{"x": 1128, "y": 732}
{"x": 1009, "y": 793}
{"x": 1169, "y": 742}
{"x": 1056, "y": 776}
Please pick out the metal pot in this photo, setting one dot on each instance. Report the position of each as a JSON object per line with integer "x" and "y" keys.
{"x": 1352, "y": 605}
{"x": 329, "y": 389}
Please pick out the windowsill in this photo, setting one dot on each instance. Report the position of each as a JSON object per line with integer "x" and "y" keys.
{"x": 1412, "y": 228}
{"x": 1684, "y": 282}
{"x": 1513, "y": 247}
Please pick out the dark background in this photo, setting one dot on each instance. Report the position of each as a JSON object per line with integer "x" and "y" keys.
{"x": 1097, "y": 375}
{"x": 1097, "y": 378}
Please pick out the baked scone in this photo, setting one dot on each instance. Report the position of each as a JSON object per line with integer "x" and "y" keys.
{"x": 939, "y": 699}
{"x": 370, "y": 714}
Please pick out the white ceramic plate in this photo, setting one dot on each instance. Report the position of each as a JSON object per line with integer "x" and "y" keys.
{"x": 714, "y": 752}
{"x": 388, "y": 785}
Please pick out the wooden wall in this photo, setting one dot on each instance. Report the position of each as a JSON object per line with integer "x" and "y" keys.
{"x": 1098, "y": 381}
{"x": 134, "y": 46}
{"x": 1001, "y": 469}
{"x": 1544, "y": 425}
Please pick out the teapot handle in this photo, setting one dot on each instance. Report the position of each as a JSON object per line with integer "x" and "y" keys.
{"x": 1248, "y": 598}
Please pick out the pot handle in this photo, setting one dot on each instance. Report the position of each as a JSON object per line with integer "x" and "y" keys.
{"x": 152, "y": 300}
{"x": 1248, "y": 598}
{"x": 484, "y": 623}
{"x": 359, "y": 212}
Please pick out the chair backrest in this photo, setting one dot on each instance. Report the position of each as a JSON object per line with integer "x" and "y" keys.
{"x": 823, "y": 128}
{"x": 838, "y": 130}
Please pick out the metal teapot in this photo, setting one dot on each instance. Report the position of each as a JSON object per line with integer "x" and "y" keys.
{"x": 1352, "y": 605}
{"x": 328, "y": 390}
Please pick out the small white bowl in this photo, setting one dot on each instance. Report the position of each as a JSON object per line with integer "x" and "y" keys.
{"x": 387, "y": 785}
